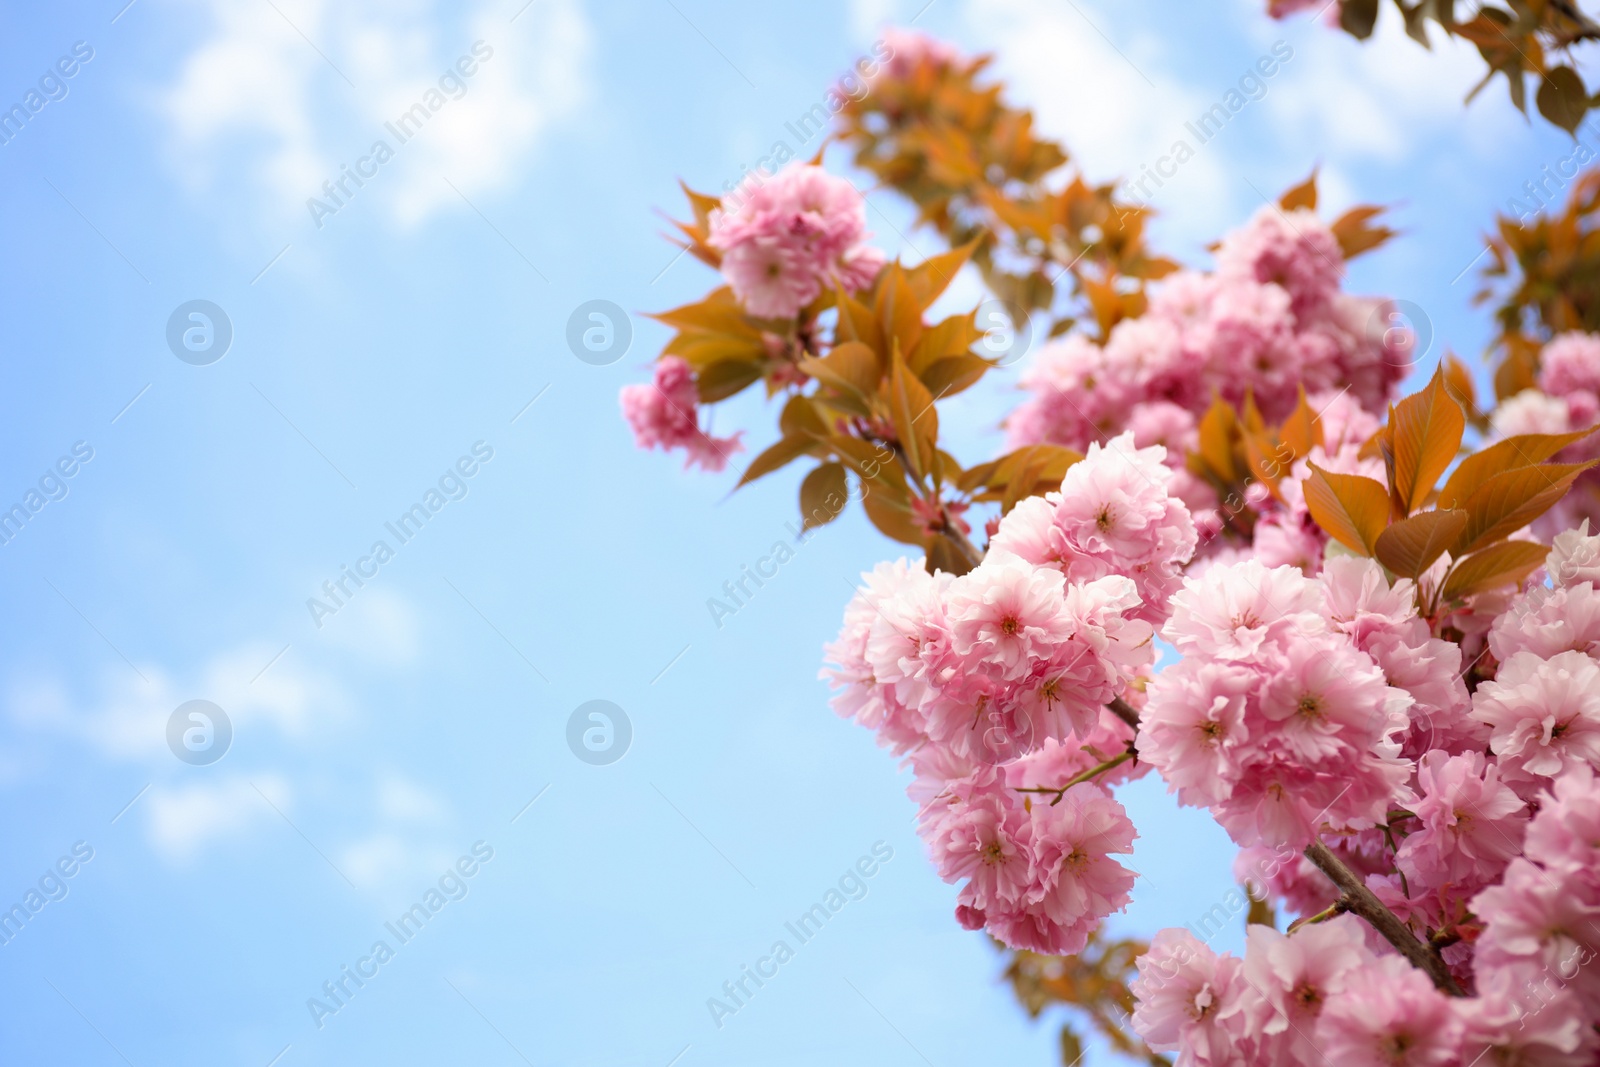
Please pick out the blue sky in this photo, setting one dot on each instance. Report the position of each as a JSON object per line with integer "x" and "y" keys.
{"x": 369, "y": 356}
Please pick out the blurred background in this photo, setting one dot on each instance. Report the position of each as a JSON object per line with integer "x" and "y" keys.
{"x": 378, "y": 741}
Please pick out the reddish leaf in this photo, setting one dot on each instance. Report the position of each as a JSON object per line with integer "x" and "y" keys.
{"x": 1523, "y": 450}
{"x": 1509, "y": 501}
{"x": 1507, "y": 563}
{"x": 1351, "y": 508}
{"x": 1410, "y": 546}
{"x": 1427, "y": 434}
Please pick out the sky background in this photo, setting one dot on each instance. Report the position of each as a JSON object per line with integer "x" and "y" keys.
{"x": 426, "y": 316}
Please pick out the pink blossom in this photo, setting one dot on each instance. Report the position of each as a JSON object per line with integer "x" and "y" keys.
{"x": 1574, "y": 558}
{"x": 909, "y": 49}
{"x": 1284, "y": 874}
{"x": 1291, "y": 249}
{"x": 1294, "y": 979}
{"x": 1544, "y": 714}
{"x": 1183, "y": 993}
{"x": 1547, "y": 918}
{"x": 1392, "y": 1016}
{"x": 1361, "y": 601}
{"x": 892, "y": 626}
{"x": 1525, "y": 1016}
{"x": 1470, "y": 824}
{"x": 1037, "y": 875}
{"x": 1075, "y": 882}
{"x": 1570, "y": 362}
{"x": 664, "y": 415}
{"x": 1326, "y": 699}
{"x": 1566, "y": 832}
{"x": 978, "y": 830}
{"x": 1007, "y": 617}
{"x": 787, "y": 238}
{"x": 1530, "y": 411}
{"x": 1546, "y": 622}
{"x": 1231, "y": 611}
{"x": 1194, "y": 728}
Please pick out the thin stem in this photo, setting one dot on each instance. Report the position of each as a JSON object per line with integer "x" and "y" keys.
{"x": 1388, "y": 835}
{"x": 951, "y": 530}
{"x": 1338, "y": 907}
{"x": 1079, "y": 779}
{"x": 1360, "y": 900}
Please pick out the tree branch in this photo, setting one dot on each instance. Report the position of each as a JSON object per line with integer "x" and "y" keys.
{"x": 1124, "y": 711}
{"x": 1360, "y": 900}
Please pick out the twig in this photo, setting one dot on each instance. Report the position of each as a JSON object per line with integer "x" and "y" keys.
{"x": 1359, "y": 900}
{"x": 1337, "y": 908}
{"x": 1079, "y": 779}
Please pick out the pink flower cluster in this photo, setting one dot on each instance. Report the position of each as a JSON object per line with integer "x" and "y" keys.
{"x": 1567, "y": 399}
{"x": 1275, "y": 718}
{"x": 792, "y": 236}
{"x": 996, "y": 683}
{"x": 1270, "y": 319}
{"x": 1488, "y": 844}
{"x": 909, "y": 50}
{"x": 665, "y": 415}
{"x": 1323, "y": 996}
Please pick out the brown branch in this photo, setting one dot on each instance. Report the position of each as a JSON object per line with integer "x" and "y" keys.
{"x": 1359, "y": 900}
{"x": 1124, "y": 711}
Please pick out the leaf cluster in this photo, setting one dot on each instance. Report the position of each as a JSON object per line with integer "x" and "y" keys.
{"x": 1407, "y": 524}
{"x": 1523, "y": 40}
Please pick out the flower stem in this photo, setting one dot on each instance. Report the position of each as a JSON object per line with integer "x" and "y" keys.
{"x": 1359, "y": 900}
{"x": 1338, "y": 907}
{"x": 1079, "y": 779}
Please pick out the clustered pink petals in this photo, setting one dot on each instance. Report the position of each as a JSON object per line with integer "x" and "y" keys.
{"x": 665, "y": 415}
{"x": 1544, "y": 714}
{"x": 1270, "y": 320}
{"x": 787, "y": 238}
{"x": 1115, "y": 515}
{"x": 996, "y": 684}
{"x": 1273, "y": 719}
{"x": 1036, "y": 874}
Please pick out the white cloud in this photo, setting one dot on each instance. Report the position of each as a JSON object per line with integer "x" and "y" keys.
{"x": 867, "y": 17}
{"x": 379, "y": 625}
{"x": 405, "y": 801}
{"x": 180, "y": 820}
{"x": 127, "y": 719}
{"x": 1385, "y": 99}
{"x": 1100, "y": 79}
{"x": 256, "y": 104}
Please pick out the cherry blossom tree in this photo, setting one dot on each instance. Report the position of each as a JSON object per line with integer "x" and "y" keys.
{"x": 1383, "y": 610}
